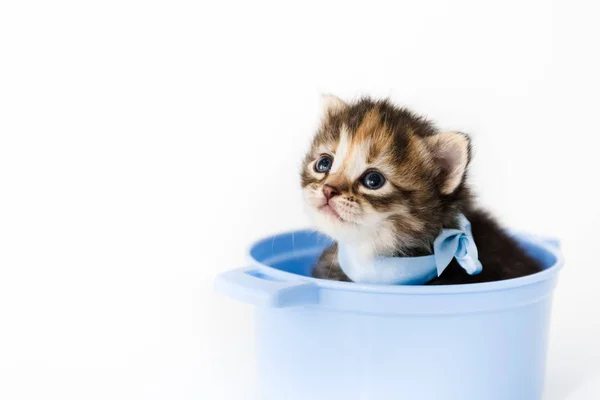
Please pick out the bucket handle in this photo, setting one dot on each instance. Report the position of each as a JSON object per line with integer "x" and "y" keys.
{"x": 250, "y": 286}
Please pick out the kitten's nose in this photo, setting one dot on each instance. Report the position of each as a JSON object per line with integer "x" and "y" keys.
{"x": 330, "y": 191}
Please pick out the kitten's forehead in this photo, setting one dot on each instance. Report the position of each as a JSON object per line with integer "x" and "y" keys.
{"x": 355, "y": 154}
{"x": 374, "y": 135}
{"x": 370, "y": 144}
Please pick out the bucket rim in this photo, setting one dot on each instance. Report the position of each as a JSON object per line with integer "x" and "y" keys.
{"x": 548, "y": 245}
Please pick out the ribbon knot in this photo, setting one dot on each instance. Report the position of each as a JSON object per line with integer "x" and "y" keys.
{"x": 459, "y": 244}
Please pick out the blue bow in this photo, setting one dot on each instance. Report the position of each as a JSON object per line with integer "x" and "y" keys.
{"x": 450, "y": 243}
{"x": 459, "y": 244}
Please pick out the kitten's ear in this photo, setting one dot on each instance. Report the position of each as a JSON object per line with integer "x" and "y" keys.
{"x": 332, "y": 104}
{"x": 451, "y": 153}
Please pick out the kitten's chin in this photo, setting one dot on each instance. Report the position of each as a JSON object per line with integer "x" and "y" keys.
{"x": 331, "y": 212}
{"x": 328, "y": 221}
{"x": 372, "y": 239}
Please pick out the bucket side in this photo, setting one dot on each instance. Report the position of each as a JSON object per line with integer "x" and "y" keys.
{"x": 310, "y": 353}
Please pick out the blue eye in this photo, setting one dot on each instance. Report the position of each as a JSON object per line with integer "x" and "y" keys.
{"x": 373, "y": 180}
{"x": 323, "y": 164}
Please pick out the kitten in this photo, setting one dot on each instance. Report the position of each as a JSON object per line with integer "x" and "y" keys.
{"x": 386, "y": 182}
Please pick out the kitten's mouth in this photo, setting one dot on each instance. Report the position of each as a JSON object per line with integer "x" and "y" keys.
{"x": 327, "y": 209}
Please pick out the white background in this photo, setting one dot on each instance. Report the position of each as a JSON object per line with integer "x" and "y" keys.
{"x": 144, "y": 145}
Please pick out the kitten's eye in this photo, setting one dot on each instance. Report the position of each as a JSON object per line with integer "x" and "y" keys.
{"x": 323, "y": 164}
{"x": 373, "y": 180}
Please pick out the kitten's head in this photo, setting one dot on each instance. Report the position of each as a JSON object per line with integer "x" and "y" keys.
{"x": 382, "y": 179}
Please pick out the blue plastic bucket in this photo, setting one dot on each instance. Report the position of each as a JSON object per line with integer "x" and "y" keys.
{"x": 326, "y": 340}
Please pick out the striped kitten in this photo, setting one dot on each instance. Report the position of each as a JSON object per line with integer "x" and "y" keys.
{"x": 385, "y": 181}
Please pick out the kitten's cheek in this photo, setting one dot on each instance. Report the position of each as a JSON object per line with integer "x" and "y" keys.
{"x": 313, "y": 198}
{"x": 370, "y": 215}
